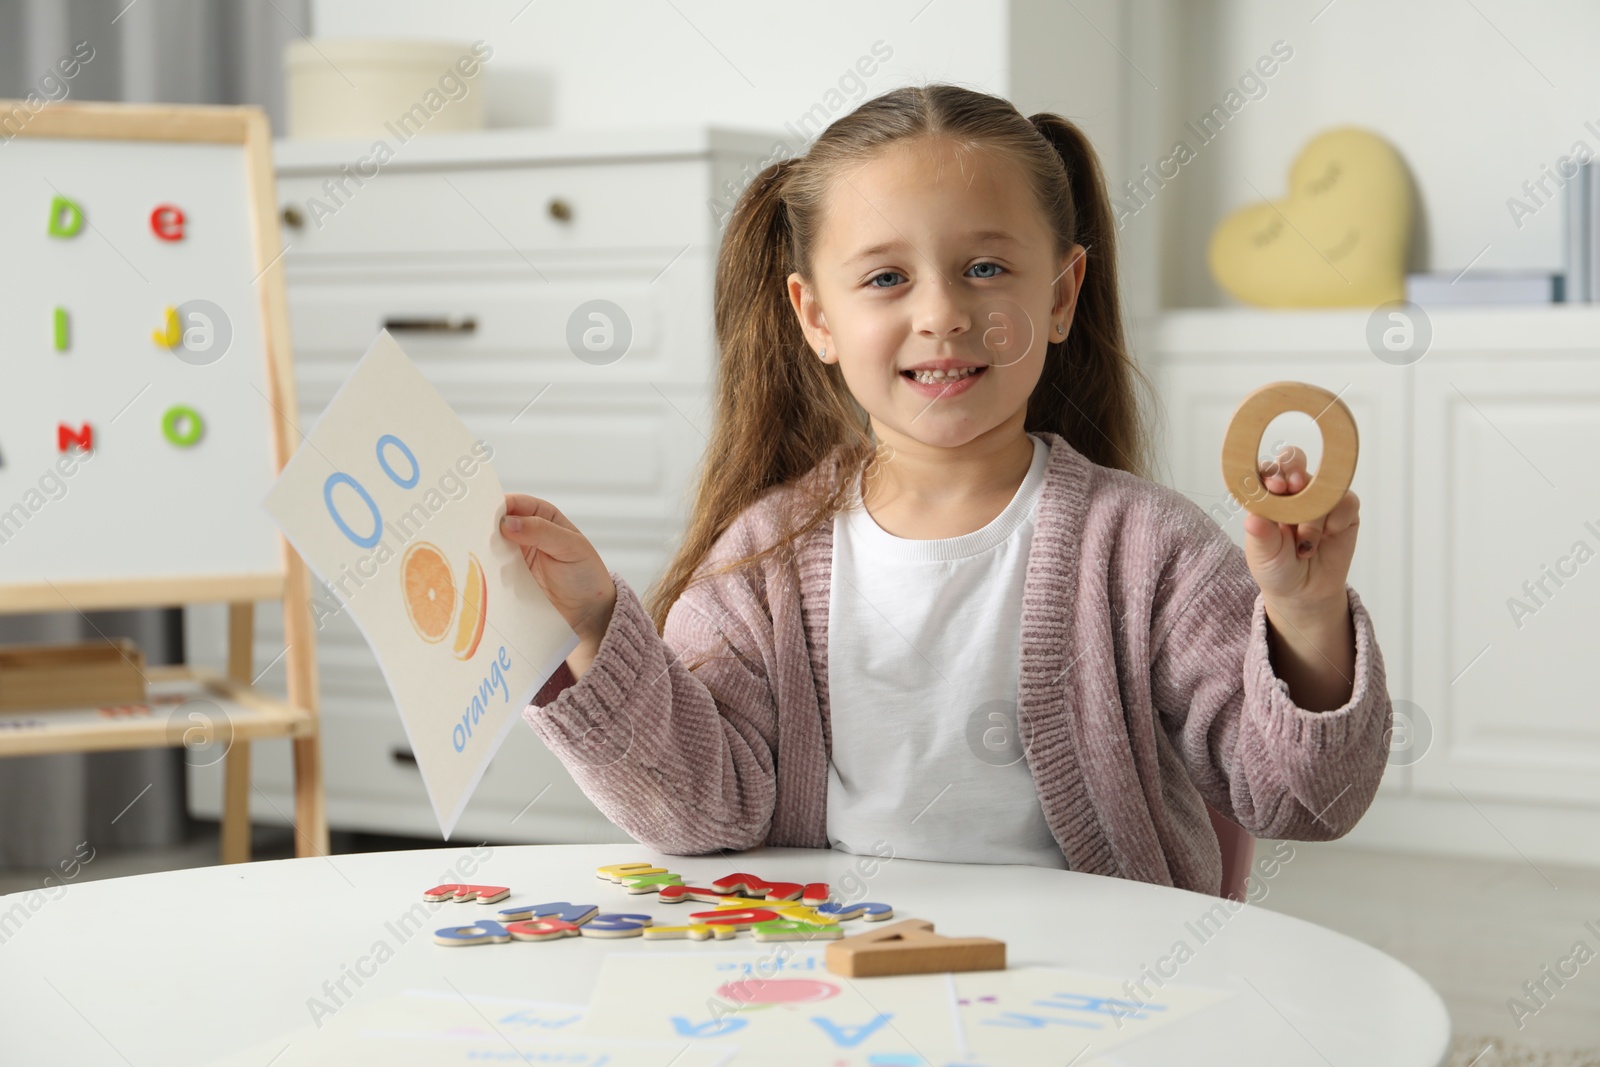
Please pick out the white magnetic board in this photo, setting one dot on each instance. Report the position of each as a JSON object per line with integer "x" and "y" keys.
{"x": 133, "y": 315}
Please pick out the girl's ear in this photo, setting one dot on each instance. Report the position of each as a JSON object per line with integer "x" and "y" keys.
{"x": 813, "y": 323}
{"x": 1069, "y": 283}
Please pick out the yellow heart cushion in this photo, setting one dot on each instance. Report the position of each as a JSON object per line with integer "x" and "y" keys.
{"x": 1338, "y": 240}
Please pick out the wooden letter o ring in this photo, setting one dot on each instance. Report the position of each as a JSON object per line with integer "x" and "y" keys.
{"x": 1243, "y": 441}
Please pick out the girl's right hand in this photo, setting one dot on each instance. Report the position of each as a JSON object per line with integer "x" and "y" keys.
{"x": 565, "y": 565}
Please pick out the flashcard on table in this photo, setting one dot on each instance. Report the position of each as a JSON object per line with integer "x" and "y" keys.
{"x": 773, "y": 1007}
{"x": 1020, "y": 1014}
{"x": 442, "y": 1027}
{"x": 393, "y": 503}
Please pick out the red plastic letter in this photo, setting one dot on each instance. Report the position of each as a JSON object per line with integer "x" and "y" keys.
{"x": 83, "y": 437}
{"x": 166, "y": 222}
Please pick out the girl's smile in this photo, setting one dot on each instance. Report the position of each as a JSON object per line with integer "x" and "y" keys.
{"x": 941, "y": 384}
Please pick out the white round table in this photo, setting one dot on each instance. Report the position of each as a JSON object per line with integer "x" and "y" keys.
{"x": 187, "y": 966}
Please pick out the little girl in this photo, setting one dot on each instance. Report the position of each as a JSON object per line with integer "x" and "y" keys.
{"x": 926, "y": 599}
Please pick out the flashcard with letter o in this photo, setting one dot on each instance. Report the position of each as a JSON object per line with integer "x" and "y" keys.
{"x": 393, "y": 503}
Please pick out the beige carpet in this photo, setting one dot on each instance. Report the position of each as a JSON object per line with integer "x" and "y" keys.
{"x": 1500, "y": 1052}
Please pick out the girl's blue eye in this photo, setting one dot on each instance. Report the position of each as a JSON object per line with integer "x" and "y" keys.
{"x": 876, "y": 278}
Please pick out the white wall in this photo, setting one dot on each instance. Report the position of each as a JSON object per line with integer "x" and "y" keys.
{"x": 631, "y": 63}
{"x": 643, "y": 63}
{"x": 1475, "y": 96}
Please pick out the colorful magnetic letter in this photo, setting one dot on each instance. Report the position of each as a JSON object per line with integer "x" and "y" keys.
{"x": 801, "y": 913}
{"x": 83, "y": 437}
{"x": 616, "y": 872}
{"x": 873, "y": 913}
{"x": 66, "y": 217}
{"x": 484, "y": 932}
{"x": 483, "y": 894}
{"x": 166, "y": 222}
{"x": 576, "y": 914}
{"x": 815, "y": 893}
{"x": 541, "y": 930}
{"x": 649, "y": 883}
{"x": 170, "y": 332}
{"x": 182, "y": 425}
{"x": 63, "y": 338}
{"x": 615, "y": 925}
{"x": 751, "y": 886}
{"x": 792, "y": 930}
{"x": 738, "y": 918}
{"x": 694, "y": 932}
{"x": 677, "y": 894}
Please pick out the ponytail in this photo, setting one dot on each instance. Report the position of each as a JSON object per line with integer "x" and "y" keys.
{"x": 1088, "y": 392}
{"x": 779, "y": 410}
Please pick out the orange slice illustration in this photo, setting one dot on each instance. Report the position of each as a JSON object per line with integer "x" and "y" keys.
{"x": 429, "y": 589}
{"x": 474, "y": 609}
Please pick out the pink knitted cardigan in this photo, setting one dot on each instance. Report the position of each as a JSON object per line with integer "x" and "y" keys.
{"x": 1145, "y": 688}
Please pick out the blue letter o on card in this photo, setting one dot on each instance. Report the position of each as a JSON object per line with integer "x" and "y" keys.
{"x": 327, "y": 498}
{"x": 383, "y": 461}
{"x": 459, "y": 737}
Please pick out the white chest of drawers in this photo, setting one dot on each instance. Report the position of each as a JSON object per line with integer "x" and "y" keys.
{"x": 557, "y": 288}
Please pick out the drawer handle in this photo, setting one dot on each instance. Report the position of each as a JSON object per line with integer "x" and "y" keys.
{"x": 560, "y": 210}
{"x": 292, "y": 218}
{"x": 438, "y": 324}
{"x": 403, "y": 755}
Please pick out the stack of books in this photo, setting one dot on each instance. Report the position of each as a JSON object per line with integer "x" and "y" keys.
{"x": 1486, "y": 287}
{"x": 1578, "y": 282}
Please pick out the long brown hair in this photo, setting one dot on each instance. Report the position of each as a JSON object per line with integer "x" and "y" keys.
{"x": 781, "y": 411}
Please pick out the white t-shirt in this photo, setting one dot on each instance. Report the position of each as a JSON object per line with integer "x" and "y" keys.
{"x": 924, "y": 649}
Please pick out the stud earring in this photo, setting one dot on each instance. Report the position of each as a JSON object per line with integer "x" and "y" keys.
{"x": 1060, "y": 328}
{"x": 822, "y": 353}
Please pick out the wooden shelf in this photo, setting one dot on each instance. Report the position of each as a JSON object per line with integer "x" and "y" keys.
{"x": 242, "y": 714}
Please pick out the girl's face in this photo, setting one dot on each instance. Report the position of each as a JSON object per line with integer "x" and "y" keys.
{"x": 936, "y": 290}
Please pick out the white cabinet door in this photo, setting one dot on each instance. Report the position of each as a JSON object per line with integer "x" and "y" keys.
{"x": 614, "y": 441}
{"x": 1199, "y": 394}
{"x": 1507, "y": 576}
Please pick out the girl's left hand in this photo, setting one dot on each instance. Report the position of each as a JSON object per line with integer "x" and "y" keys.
{"x": 1301, "y": 567}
